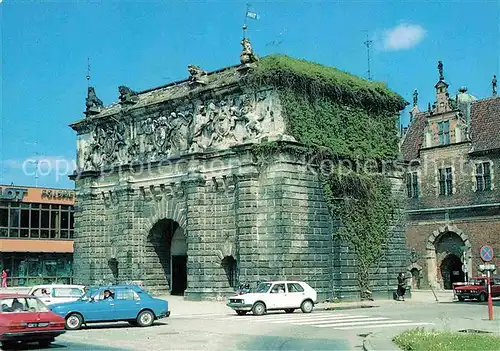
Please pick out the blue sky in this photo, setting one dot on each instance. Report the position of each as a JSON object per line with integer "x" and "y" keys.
{"x": 143, "y": 44}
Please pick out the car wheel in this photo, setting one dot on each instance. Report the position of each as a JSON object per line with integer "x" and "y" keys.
{"x": 483, "y": 297}
{"x": 461, "y": 298}
{"x": 259, "y": 309}
{"x": 74, "y": 321}
{"x": 145, "y": 318}
{"x": 45, "y": 342}
{"x": 289, "y": 310}
{"x": 307, "y": 306}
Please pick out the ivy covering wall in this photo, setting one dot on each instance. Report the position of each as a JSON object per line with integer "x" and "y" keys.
{"x": 340, "y": 117}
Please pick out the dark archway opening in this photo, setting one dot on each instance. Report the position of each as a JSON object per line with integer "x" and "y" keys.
{"x": 169, "y": 243}
{"x": 451, "y": 271}
{"x": 230, "y": 267}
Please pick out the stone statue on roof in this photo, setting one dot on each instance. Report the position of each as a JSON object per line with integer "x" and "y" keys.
{"x": 415, "y": 97}
{"x": 196, "y": 74}
{"x": 92, "y": 102}
{"x": 247, "y": 55}
{"x": 440, "y": 69}
{"x": 494, "y": 85}
{"x": 127, "y": 95}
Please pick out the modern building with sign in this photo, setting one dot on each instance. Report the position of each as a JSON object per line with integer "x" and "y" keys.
{"x": 36, "y": 234}
{"x": 453, "y": 188}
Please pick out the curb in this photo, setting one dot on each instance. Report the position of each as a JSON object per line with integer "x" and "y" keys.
{"x": 375, "y": 342}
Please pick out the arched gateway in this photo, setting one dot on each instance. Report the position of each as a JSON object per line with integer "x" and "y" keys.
{"x": 174, "y": 189}
{"x": 166, "y": 251}
{"x": 448, "y": 253}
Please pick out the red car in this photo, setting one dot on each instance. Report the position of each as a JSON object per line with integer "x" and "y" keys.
{"x": 476, "y": 288}
{"x": 24, "y": 318}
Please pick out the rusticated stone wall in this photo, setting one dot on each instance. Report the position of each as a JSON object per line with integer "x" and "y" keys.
{"x": 181, "y": 156}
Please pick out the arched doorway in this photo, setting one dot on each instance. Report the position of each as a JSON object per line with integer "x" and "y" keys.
{"x": 451, "y": 271}
{"x": 230, "y": 267}
{"x": 178, "y": 254}
{"x": 166, "y": 257}
{"x": 448, "y": 251}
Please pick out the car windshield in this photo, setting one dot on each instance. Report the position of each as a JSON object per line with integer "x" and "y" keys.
{"x": 22, "y": 305}
{"x": 262, "y": 288}
{"x": 89, "y": 294}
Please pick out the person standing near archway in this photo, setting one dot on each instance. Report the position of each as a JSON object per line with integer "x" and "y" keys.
{"x": 4, "y": 278}
{"x": 401, "y": 286}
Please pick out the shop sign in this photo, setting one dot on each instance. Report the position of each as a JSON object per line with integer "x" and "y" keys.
{"x": 12, "y": 193}
{"x": 57, "y": 194}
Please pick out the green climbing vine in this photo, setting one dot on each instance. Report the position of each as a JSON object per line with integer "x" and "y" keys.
{"x": 365, "y": 206}
{"x": 339, "y": 117}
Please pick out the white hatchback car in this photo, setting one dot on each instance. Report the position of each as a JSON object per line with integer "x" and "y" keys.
{"x": 56, "y": 293}
{"x": 278, "y": 295}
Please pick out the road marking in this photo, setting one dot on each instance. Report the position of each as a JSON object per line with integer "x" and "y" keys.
{"x": 342, "y": 320}
{"x": 384, "y": 325}
{"x": 297, "y": 320}
{"x": 340, "y": 324}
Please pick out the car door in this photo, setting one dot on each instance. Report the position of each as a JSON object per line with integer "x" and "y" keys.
{"x": 295, "y": 295}
{"x": 127, "y": 304}
{"x": 99, "y": 309}
{"x": 277, "y": 296}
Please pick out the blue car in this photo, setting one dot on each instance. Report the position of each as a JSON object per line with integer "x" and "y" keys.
{"x": 111, "y": 304}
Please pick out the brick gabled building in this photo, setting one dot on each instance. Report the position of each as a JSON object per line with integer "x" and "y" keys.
{"x": 453, "y": 186}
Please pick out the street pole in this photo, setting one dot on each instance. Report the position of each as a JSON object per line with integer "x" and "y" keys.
{"x": 490, "y": 300}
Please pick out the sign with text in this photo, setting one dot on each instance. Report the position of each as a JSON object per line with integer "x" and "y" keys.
{"x": 12, "y": 194}
{"x": 53, "y": 194}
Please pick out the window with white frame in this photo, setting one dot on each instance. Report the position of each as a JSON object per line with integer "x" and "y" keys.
{"x": 483, "y": 176}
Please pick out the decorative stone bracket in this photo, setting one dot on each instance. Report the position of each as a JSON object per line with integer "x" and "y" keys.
{"x": 172, "y": 190}
{"x": 110, "y": 197}
{"x": 224, "y": 183}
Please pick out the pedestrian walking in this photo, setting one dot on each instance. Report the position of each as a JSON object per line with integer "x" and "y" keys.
{"x": 4, "y": 278}
{"x": 401, "y": 286}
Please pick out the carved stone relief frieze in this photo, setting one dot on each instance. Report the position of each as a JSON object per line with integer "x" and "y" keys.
{"x": 196, "y": 126}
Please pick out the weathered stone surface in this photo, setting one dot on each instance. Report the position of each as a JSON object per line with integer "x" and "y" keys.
{"x": 176, "y": 168}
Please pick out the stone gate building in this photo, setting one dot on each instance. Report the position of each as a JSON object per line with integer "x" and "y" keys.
{"x": 170, "y": 194}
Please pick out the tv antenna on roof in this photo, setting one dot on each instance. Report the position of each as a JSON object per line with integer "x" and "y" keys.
{"x": 368, "y": 44}
{"x": 36, "y": 161}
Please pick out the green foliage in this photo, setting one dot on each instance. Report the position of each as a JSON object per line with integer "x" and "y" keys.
{"x": 363, "y": 202}
{"x": 336, "y": 115}
{"x": 318, "y": 80}
{"x": 421, "y": 340}
{"x": 328, "y": 108}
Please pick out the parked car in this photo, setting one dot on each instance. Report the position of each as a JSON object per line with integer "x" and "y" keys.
{"x": 56, "y": 293}
{"x": 278, "y": 295}
{"x": 111, "y": 304}
{"x": 24, "y": 318}
{"x": 477, "y": 288}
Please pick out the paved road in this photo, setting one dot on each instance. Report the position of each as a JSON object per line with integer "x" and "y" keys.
{"x": 222, "y": 329}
